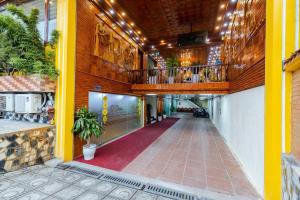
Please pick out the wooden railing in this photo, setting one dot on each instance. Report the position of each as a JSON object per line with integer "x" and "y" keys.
{"x": 193, "y": 74}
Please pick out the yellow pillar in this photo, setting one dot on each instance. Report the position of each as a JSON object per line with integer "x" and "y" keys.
{"x": 64, "y": 99}
{"x": 273, "y": 87}
{"x": 290, "y": 47}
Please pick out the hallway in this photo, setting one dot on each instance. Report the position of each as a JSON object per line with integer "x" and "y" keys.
{"x": 192, "y": 153}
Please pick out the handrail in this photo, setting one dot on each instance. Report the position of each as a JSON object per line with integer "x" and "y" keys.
{"x": 192, "y": 74}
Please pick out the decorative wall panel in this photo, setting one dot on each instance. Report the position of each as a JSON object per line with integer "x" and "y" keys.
{"x": 112, "y": 46}
{"x": 100, "y": 70}
{"x": 244, "y": 45}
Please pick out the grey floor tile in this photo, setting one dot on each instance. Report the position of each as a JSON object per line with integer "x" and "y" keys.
{"x": 48, "y": 171}
{"x": 69, "y": 193}
{"x": 16, "y": 173}
{"x": 87, "y": 182}
{"x": 52, "y": 187}
{"x": 90, "y": 195}
{"x": 110, "y": 198}
{"x": 14, "y": 191}
{"x": 103, "y": 187}
{"x": 32, "y": 195}
{"x": 140, "y": 195}
{"x": 67, "y": 177}
{"x": 52, "y": 198}
{"x": 5, "y": 183}
{"x": 26, "y": 177}
{"x": 38, "y": 181}
{"x": 163, "y": 198}
{"x": 122, "y": 192}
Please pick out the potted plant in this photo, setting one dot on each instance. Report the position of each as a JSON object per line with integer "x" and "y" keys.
{"x": 86, "y": 125}
{"x": 172, "y": 63}
{"x": 22, "y": 51}
{"x": 164, "y": 115}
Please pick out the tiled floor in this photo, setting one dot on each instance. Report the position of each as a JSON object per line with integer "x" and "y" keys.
{"x": 46, "y": 183}
{"x": 192, "y": 153}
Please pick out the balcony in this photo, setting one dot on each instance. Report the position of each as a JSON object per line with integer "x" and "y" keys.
{"x": 210, "y": 79}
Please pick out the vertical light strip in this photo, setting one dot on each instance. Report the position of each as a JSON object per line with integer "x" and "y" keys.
{"x": 65, "y": 93}
{"x": 273, "y": 87}
{"x": 290, "y": 46}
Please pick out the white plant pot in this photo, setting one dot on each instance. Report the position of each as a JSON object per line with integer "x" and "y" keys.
{"x": 165, "y": 116}
{"x": 89, "y": 151}
{"x": 159, "y": 118}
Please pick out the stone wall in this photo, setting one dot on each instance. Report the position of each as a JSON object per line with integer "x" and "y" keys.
{"x": 290, "y": 178}
{"x": 26, "y": 148}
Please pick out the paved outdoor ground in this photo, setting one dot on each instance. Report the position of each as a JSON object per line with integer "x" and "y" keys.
{"x": 41, "y": 182}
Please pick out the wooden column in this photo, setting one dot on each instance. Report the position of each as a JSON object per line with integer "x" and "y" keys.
{"x": 145, "y": 66}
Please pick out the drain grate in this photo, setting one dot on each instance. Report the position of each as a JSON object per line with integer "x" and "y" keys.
{"x": 123, "y": 181}
{"x": 86, "y": 172}
{"x": 158, "y": 190}
{"x": 62, "y": 166}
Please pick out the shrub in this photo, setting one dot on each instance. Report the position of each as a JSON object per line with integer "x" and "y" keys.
{"x": 21, "y": 47}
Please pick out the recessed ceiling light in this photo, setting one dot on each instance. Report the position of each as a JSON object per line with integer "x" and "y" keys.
{"x": 233, "y": 1}
{"x": 139, "y": 32}
{"x": 130, "y": 31}
{"x": 111, "y": 11}
{"x": 225, "y": 24}
{"x": 162, "y": 41}
{"x": 152, "y": 46}
{"x": 112, "y": 1}
{"x": 219, "y": 18}
{"x": 142, "y": 43}
{"x": 122, "y": 22}
{"x": 222, "y": 6}
{"x": 123, "y": 14}
{"x": 131, "y": 24}
{"x": 145, "y": 38}
{"x": 137, "y": 38}
{"x": 217, "y": 27}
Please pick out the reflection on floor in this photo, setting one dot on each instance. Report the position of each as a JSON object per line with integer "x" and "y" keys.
{"x": 192, "y": 153}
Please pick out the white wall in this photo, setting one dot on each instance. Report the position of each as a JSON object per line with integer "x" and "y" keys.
{"x": 239, "y": 118}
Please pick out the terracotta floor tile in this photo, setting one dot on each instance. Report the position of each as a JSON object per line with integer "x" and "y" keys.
{"x": 198, "y": 183}
{"x": 192, "y": 153}
{"x": 220, "y": 185}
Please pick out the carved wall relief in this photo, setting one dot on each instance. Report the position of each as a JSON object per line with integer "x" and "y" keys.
{"x": 114, "y": 48}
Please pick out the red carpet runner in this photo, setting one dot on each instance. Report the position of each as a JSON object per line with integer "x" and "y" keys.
{"x": 120, "y": 153}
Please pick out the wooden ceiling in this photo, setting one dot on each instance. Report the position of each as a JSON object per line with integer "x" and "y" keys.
{"x": 165, "y": 19}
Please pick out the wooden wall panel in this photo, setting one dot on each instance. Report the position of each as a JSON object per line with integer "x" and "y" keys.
{"x": 296, "y": 115}
{"x": 244, "y": 48}
{"x": 252, "y": 77}
{"x": 91, "y": 71}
